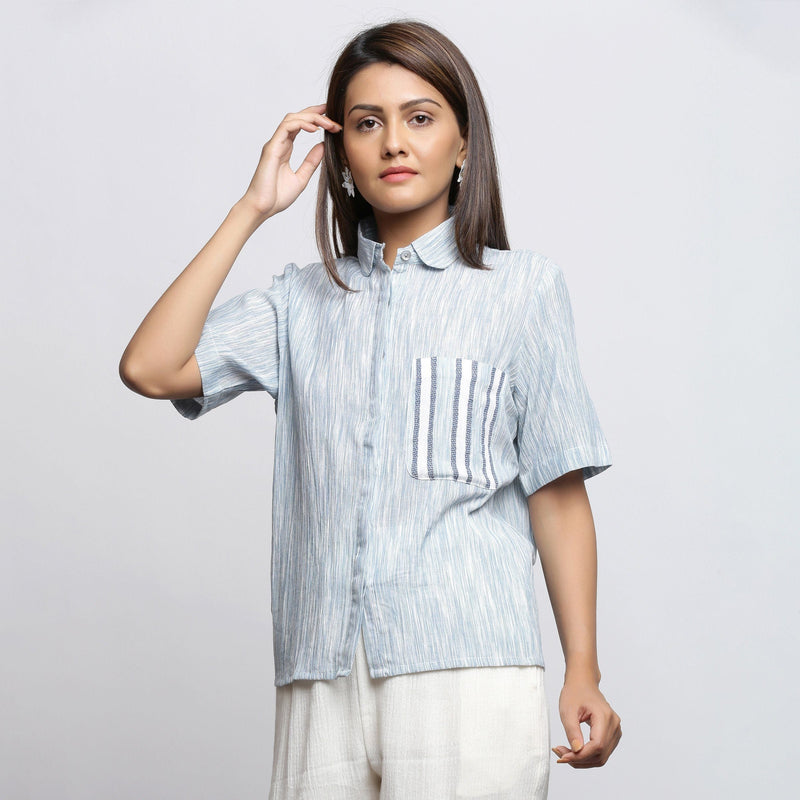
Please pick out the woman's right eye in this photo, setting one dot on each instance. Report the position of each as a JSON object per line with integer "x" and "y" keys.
{"x": 363, "y": 122}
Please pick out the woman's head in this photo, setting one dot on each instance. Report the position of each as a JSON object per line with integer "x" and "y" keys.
{"x": 394, "y": 118}
{"x": 414, "y": 57}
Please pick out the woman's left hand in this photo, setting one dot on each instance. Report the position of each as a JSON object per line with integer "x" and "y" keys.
{"x": 582, "y": 701}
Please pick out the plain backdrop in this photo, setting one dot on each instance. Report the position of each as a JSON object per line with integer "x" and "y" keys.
{"x": 649, "y": 149}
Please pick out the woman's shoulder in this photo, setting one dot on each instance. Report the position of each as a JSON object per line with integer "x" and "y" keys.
{"x": 525, "y": 265}
{"x": 314, "y": 270}
{"x": 312, "y": 277}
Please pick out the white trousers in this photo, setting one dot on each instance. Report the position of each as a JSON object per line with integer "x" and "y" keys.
{"x": 476, "y": 732}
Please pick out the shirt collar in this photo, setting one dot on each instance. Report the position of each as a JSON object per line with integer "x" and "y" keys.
{"x": 435, "y": 248}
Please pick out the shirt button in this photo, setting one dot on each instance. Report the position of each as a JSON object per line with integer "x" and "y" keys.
{"x": 405, "y": 255}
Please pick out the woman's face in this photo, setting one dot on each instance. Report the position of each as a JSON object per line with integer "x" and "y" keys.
{"x": 392, "y": 118}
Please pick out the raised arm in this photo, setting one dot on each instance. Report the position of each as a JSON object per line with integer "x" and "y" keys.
{"x": 159, "y": 360}
{"x": 563, "y": 528}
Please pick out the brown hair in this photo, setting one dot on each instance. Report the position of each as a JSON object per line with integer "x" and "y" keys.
{"x": 478, "y": 212}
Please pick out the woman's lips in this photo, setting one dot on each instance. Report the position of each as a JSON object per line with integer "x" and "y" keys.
{"x": 397, "y": 177}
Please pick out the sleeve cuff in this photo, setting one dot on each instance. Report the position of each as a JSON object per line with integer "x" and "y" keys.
{"x": 592, "y": 461}
{"x": 207, "y": 360}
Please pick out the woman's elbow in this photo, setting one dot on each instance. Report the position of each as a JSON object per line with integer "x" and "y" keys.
{"x": 133, "y": 377}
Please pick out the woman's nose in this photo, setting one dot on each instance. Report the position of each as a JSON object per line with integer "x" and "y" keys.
{"x": 394, "y": 140}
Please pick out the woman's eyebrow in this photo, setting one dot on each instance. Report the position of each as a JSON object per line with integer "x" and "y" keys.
{"x": 402, "y": 106}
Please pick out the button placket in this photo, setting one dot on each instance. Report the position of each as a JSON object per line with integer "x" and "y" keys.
{"x": 364, "y": 570}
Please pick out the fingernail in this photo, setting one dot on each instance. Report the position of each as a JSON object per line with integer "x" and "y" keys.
{"x": 576, "y": 745}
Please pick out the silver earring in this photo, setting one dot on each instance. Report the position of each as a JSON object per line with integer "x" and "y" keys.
{"x": 461, "y": 171}
{"x": 348, "y": 182}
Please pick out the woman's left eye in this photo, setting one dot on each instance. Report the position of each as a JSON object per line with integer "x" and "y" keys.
{"x": 424, "y": 117}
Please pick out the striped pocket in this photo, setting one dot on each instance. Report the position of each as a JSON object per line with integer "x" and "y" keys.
{"x": 454, "y": 407}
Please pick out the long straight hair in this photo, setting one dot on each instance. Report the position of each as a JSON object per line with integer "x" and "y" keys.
{"x": 478, "y": 219}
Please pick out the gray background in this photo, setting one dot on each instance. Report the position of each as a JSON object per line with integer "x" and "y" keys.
{"x": 650, "y": 149}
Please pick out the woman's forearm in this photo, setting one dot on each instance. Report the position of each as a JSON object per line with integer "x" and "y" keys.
{"x": 167, "y": 337}
{"x": 563, "y": 529}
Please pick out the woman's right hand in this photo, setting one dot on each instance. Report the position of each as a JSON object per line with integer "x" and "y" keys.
{"x": 275, "y": 186}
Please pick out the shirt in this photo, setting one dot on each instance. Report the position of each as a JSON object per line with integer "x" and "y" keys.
{"x": 413, "y": 419}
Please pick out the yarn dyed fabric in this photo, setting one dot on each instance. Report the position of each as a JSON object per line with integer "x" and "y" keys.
{"x": 414, "y": 417}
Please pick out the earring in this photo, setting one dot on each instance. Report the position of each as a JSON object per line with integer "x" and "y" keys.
{"x": 348, "y": 182}
{"x": 461, "y": 171}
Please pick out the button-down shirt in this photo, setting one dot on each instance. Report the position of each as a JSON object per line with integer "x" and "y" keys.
{"x": 414, "y": 418}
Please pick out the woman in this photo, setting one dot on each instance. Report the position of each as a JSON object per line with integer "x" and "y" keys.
{"x": 433, "y": 434}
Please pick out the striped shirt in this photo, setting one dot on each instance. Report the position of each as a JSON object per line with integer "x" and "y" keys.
{"x": 413, "y": 419}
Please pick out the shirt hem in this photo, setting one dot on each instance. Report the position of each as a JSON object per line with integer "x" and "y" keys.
{"x": 422, "y": 666}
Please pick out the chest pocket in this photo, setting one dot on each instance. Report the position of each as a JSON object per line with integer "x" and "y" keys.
{"x": 454, "y": 409}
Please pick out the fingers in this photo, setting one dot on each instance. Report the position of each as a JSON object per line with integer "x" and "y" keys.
{"x": 605, "y": 734}
{"x": 309, "y": 119}
{"x": 574, "y": 734}
{"x": 310, "y": 163}
{"x": 581, "y": 761}
{"x": 275, "y": 185}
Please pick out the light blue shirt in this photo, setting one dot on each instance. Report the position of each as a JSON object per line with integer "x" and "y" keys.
{"x": 414, "y": 418}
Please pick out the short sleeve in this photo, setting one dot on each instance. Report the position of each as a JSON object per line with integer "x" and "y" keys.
{"x": 240, "y": 346}
{"x": 558, "y": 430}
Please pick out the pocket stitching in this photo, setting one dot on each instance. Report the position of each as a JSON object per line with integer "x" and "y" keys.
{"x": 493, "y": 389}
